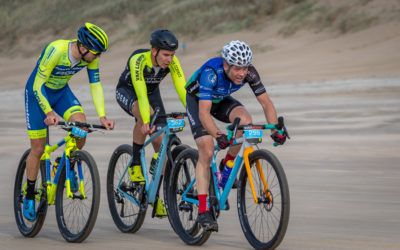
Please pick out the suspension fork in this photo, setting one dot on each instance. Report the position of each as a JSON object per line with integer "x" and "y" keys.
{"x": 246, "y": 154}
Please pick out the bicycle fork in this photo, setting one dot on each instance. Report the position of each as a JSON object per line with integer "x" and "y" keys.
{"x": 246, "y": 154}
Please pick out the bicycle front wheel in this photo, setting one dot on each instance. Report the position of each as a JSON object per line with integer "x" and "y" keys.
{"x": 126, "y": 215}
{"x": 183, "y": 214}
{"x": 264, "y": 223}
{"x": 76, "y": 216}
{"x": 26, "y": 227}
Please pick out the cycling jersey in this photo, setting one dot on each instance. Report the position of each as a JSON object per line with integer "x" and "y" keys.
{"x": 47, "y": 87}
{"x": 145, "y": 79}
{"x": 54, "y": 70}
{"x": 211, "y": 83}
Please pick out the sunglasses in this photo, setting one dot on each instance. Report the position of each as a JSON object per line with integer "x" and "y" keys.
{"x": 95, "y": 53}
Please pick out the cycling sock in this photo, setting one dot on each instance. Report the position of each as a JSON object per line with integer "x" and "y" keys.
{"x": 30, "y": 189}
{"x": 203, "y": 206}
{"x": 136, "y": 153}
{"x": 227, "y": 158}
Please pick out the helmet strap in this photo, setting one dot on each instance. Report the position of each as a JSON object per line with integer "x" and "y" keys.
{"x": 155, "y": 57}
{"x": 82, "y": 54}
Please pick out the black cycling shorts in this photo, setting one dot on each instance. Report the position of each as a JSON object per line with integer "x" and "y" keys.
{"x": 126, "y": 97}
{"x": 219, "y": 110}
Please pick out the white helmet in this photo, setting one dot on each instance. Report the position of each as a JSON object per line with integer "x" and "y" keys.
{"x": 237, "y": 53}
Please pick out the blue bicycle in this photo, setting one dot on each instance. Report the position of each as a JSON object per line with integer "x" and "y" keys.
{"x": 128, "y": 201}
{"x": 262, "y": 196}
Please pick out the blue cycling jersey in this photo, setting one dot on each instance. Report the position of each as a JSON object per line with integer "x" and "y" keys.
{"x": 211, "y": 83}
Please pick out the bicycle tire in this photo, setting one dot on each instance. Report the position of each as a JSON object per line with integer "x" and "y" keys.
{"x": 28, "y": 228}
{"x": 116, "y": 202}
{"x": 76, "y": 217}
{"x": 183, "y": 215}
{"x": 271, "y": 216}
{"x": 174, "y": 153}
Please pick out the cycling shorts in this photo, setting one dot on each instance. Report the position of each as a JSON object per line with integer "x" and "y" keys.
{"x": 62, "y": 101}
{"x": 126, "y": 97}
{"x": 220, "y": 111}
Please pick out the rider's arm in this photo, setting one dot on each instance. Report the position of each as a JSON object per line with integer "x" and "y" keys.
{"x": 47, "y": 63}
{"x": 136, "y": 65}
{"x": 95, "y": 87}
{"x": 269, "y": 108}
{"x": 208, "y": 80}
{"x": 179, "y": 79}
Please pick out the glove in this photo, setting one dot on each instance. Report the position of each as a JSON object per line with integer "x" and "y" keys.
{"x": 223, "y": 141}
{"x": 278, "y": 138}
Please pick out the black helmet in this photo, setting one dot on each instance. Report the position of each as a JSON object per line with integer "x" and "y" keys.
{"x": 163, "y": 39}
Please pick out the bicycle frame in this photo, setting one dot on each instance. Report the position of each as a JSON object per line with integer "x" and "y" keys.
{"x": 152, "y": 186}
{"x": 70, "y": 146}
{"x": 243, "y": 154}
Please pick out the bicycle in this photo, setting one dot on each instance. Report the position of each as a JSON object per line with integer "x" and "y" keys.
{"x": 262, "y": 196}
{"x": 72, "y": 184}
{"x": 128, "y": 201}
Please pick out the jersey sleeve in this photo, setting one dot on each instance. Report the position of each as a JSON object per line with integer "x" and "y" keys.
{"x": 179, "y": 79}
{"x": 136, "y": 65}
{"x": 208, "y": 80}
{"x": 46, "y": 65}
{"x": 253, "y": 78}
{"x": 95, "y": 87}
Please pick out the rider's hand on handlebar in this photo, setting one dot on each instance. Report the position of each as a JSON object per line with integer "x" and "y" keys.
{"x": 108, "y": 124}
{"x": 222, "y": 141}
{"x": 278, "y": 138}
{"x": 146, "y": 129}
{"x": 51, "y": 119}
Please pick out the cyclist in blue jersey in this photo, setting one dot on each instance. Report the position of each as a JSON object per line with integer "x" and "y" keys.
{"x": 47, "y": 94}
{"x": 209, "y": 94}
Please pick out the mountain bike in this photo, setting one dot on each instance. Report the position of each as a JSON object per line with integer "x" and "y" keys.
{"x": 128, "y": 201}
{"x": 263, "y": 201}
{"x": 71, "y": 183}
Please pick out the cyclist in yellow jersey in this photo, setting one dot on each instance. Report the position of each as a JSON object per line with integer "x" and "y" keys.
{"x": 47, "y": 93}
{"x": 138, "y": 93}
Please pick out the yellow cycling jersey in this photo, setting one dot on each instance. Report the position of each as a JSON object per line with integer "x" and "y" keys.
{"x": 140, "y": 73}
{"x": 54, "y": 69}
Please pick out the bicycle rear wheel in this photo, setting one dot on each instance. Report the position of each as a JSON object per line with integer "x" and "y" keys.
{"x": 76, "y": 217}
{"x": 126, "y": 215}
{"x": 264, "y": 223}
{"x": 26, "y": 227}
{"x": 182, "y": 214}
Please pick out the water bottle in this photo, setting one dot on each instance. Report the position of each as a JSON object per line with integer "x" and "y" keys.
{"x": 55, "y": 166}
{"x": 226, "y": 172}
{"x": 153, "y": 163}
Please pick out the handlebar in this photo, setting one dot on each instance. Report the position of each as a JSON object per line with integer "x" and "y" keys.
{"x": 169, "y": 115}
{"x": 91, "y": 127}
{"x": 232, "y": 128}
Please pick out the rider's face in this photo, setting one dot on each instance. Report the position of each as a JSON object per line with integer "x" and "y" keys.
{"x": 164, "y": 57}
{"x": 236, "y": 73}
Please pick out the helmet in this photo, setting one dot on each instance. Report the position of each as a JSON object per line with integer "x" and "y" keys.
{"x": 93, "y": 37}
{"x": 163, "y": 39}
{"x": 237, "y": 53}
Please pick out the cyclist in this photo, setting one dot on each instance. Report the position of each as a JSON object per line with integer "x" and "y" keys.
{"x": 138, "y": 93}
{"x": 209, "y": 93}
{"x": 47, "y": 93}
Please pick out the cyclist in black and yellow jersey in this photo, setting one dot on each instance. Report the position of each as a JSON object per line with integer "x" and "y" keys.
{"x": 47, "y": 93}
{"x": 138, "y": 93}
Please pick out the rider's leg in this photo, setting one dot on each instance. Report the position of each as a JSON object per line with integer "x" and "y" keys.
{"x": 245, "y": 118}
{"x": 205, "y": 145}
{"x": 78, "y": 117}
{"x": 32, "y": 169}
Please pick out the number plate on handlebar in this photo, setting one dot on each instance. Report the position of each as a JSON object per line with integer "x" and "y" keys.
{"x": 176, "y": 125}
{"x": 253, "y": 135}
{"x": 79, "y": 132}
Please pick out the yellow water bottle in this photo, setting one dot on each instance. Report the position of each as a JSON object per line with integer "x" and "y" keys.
{"x": 226, "y": 172}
